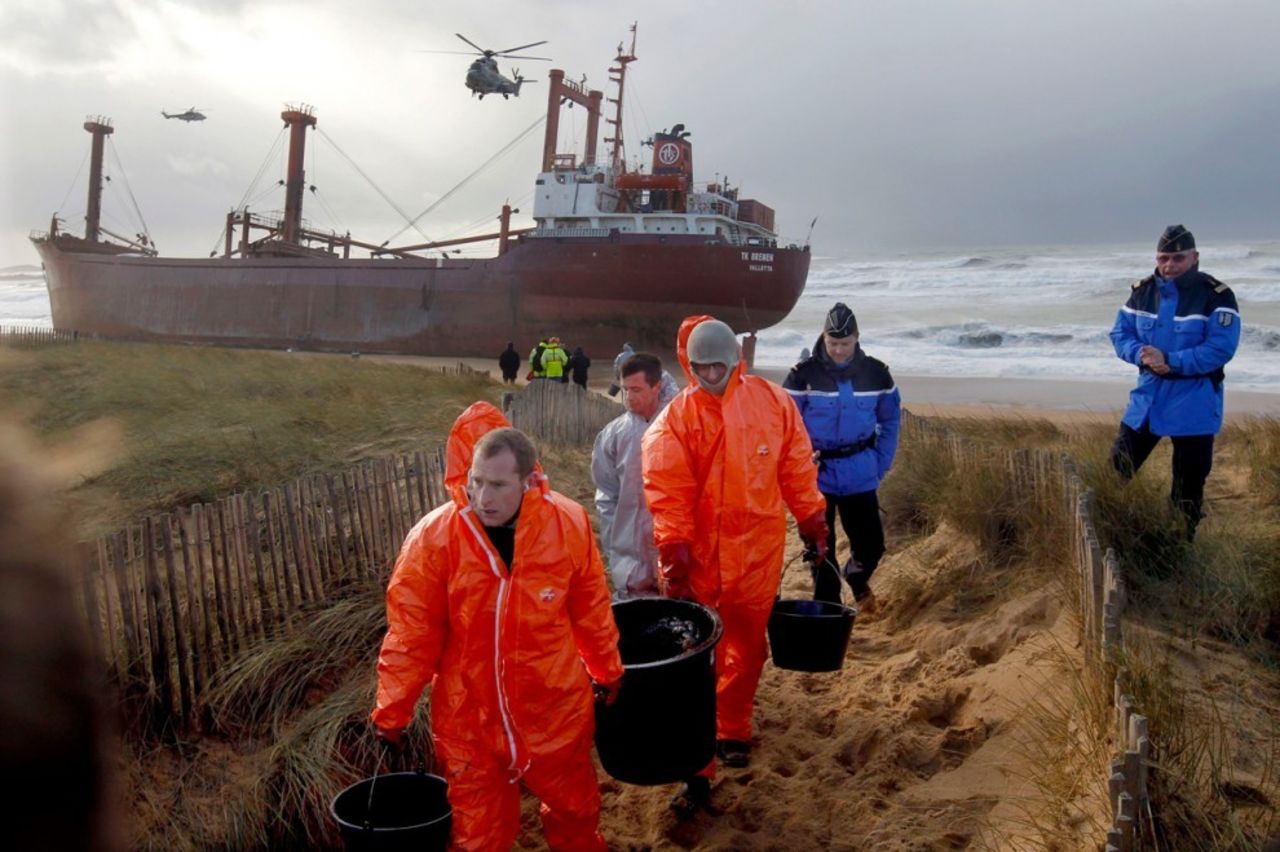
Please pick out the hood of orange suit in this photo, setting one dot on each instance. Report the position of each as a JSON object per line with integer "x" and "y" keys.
{"x": 682, "y": 353}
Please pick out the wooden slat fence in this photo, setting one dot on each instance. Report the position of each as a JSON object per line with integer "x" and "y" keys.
{"x": 171, "y": 598}
{"x": 559, "y": 412}
{"x": 28, "y": 335}
{"x": 1101, "y": 600}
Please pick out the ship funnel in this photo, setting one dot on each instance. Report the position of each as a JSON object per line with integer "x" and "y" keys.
{"x": 673, "y": 154}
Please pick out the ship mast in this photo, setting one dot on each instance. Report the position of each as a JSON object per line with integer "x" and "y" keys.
{"x": 100, "y": 128}
{"x": 298, "y": 120}
{"x": 618, "y": 75}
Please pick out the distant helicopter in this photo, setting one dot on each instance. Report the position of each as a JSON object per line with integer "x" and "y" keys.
{"x": 192, "y": 114}
{"x": 483, "y": 77}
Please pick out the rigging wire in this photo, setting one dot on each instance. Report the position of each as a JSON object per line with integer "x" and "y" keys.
{"x": 488, "y": 217}
{"x": 244, "y": 199}
{"x": 115, "y": 155}
{"x": 324, "y": 205}
{"x": 640, "y": 129}
{"x": 483, "y": 166}
{"x": 74, "y": 180}
{"x": 271, "y": 152}
{"x": 396, "y": 207}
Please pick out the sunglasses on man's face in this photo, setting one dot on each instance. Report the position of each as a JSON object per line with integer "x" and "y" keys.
{"x": 1173, "y": 258}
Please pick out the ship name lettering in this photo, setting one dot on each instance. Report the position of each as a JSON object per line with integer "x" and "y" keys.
{"x": 758, "y": 256}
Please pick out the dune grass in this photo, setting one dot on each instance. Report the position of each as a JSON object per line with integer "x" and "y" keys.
{"x": 1216, "y": 747}
{"x": 196, "y": 423}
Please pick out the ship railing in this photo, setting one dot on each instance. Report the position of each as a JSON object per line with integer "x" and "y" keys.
{"x": 749, "y": 240}
{"x": 542, "y": 233}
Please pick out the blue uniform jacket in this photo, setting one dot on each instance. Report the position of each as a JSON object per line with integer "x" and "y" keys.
{"x": 845, "y": 406}
{"x": 1195, "y": 322}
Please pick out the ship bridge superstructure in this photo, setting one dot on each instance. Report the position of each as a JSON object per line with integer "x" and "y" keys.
{"x": 594, "y": 198}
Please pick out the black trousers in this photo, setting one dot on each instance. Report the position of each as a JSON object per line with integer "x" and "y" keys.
{"x": 1192, "y": 461}
{"x": 860, "y": 517}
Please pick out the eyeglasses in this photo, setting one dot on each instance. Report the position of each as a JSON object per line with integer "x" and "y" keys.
{"x": 1173, "y": 258}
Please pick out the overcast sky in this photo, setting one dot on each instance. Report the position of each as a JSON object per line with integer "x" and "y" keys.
{"x": 901, "y": 125}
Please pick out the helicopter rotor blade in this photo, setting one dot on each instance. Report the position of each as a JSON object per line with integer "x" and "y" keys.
{"x": 516, "y": 56}
{"x": 453, "y": 52}
{"x": 473, "y": 44}
{"x": 521, "y": 47}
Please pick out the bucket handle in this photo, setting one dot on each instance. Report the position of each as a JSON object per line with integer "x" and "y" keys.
{"x": 426, "y": 763}
{"x": 368, "y": 808}
{"x": 812, "y": 569}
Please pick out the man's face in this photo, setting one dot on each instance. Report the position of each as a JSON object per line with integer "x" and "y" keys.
{"x": 496, "y": 488}
{"x": 1173, "y": 264}
{"x": 640, "y": 396}
{"x": 710, "y": 375}
{"x": 840, "y": 349}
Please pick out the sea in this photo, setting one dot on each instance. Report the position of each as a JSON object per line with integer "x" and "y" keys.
{"x": 1030, "y": 312}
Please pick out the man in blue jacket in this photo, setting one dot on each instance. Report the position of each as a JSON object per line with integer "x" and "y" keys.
{"x": 852, "y": 411}
{"x": 1179, "y": 328}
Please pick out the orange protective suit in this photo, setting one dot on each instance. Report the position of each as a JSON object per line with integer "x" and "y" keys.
{"x": 508, "y": 651}
{"x": 717, "y": 472}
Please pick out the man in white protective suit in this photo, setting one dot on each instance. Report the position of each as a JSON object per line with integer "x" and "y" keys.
{"x": 626, "y": 527}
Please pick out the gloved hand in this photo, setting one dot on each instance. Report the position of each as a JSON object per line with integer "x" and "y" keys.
{"x": 814, "y": 532}
{"x": 606, "y": 693}
{"x": 392, "y": 741}
{"x": 675, "y": 565}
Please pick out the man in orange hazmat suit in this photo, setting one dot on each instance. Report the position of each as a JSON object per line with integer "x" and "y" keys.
{"x": 499, "y": 600}
{"x": 720, "y": 463}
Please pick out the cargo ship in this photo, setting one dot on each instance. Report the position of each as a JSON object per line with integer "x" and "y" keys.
{"x": 615, "y": 255}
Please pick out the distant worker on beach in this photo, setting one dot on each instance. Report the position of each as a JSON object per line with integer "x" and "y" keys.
{"x": 626, "y": 526}
{"x": 536, "y": 368}
{"x": 578, "y": 365}
{"x": 721, "y": 464}
{"x": 1179, "y": 327}
{"x": 499, "y": 601}
{"x": 618, "y": 361}
{"x": 555, "y": 361}
{"x": 852, "y": 411}
{"x": 509, "y": 363}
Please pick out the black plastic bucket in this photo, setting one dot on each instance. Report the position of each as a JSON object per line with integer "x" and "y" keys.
{"x": 810, "y": 636}
{"x": 662, "y": 727}
{"x": 408, "y": 810}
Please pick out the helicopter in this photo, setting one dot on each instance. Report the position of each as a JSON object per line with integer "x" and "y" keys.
{"x": 483, "y": 77}
{"x": 192, "y": 114}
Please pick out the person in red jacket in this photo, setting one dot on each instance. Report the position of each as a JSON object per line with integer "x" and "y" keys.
{"x": 499, "y": 601}
{"x": 721, "y": 464}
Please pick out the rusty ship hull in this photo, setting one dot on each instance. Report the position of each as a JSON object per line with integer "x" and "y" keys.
{"x": 592, "y": 292}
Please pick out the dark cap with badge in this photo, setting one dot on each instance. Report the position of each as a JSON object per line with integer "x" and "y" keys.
{"x": 840, "y": 321}
{"x": 1175, "y": 238}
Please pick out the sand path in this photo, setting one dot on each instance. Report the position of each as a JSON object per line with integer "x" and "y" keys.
{"x": 916, "y": 744}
